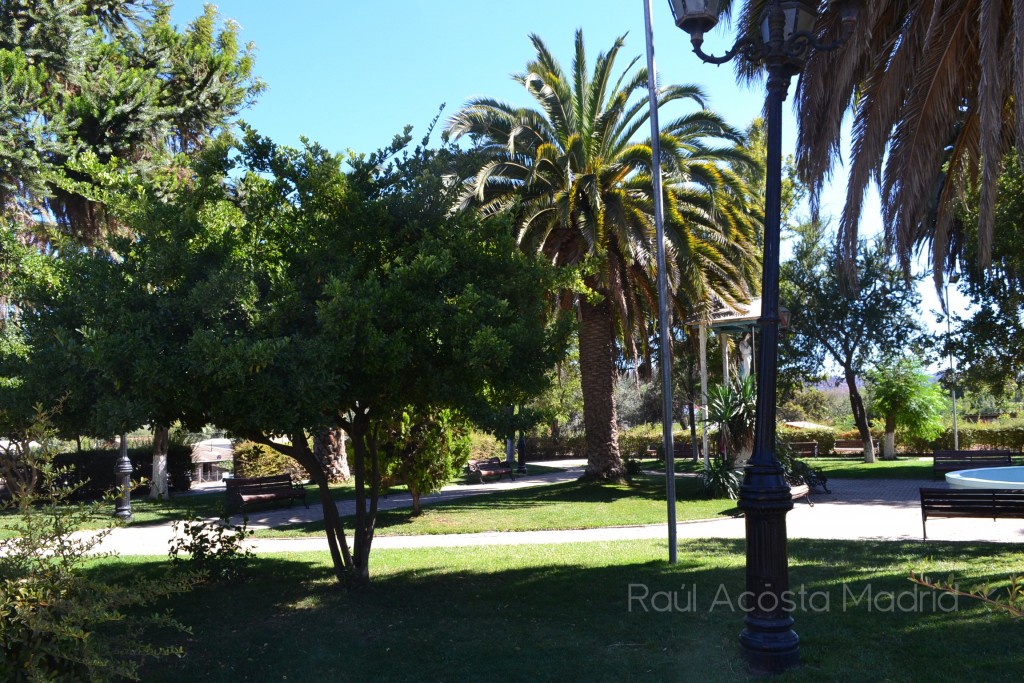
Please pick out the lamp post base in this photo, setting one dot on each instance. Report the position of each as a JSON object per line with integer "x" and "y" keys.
{"x": 769, "y": 643}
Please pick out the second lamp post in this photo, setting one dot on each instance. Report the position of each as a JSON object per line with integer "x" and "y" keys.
{"x": 787, "y": 36}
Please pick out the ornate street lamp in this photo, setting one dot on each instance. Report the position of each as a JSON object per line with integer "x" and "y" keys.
{"x": 787, "y": 37}
{"x": 123, "y": 475}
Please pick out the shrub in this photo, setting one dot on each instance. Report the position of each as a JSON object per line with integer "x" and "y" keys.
{"x": 824, "y": 437}
{"x": 252, "y": 459}
{"x": 57, "y": 621}
{"x": 215, "y": 549}
{"x": 634, "y": 442}
{"x": 483, "y": 446}
{"x": 720, "y": 480}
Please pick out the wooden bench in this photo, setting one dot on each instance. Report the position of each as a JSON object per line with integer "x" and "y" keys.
{"x": 681, "y": 450}
{"x": 800, "y": 490}
{"x": 804, "y": 449}
{"x": 803, "y": 479}
{"x": 951, "y": 461}
{"x": 854, "y": 445}
{"x": 992, "y": 503}
{"x": 242, "y": 491}
{"x": 492, "y": 467}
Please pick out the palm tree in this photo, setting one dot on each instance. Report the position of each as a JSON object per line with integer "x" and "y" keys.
{"x": 576, "y": 176}
{"x": 936, "y": 89}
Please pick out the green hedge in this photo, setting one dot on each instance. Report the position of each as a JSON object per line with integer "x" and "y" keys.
{"x": 824, "y": 437}
{"x": 93, "y": 470}
{"x": 972, "y": 435}
{"x": 256, "y": 460}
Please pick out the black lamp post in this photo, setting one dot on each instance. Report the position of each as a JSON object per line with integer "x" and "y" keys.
{"x": 123, "y": 475}
{"x": 787, "y": 36}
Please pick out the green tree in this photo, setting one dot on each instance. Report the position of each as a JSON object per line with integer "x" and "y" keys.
{"x": 93, "y": 88}
{"x": 989, "y": 340}
{"x": 852, "y": 327}
{"x": 424, "y": 450}
{"x": 309, "y": 298}
{"x": 576, "y": 176}
{"x": 907, "y": 397}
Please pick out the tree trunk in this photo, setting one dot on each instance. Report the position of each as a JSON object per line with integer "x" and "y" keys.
{"x": 889, "y": 445}
{"x": 367, "y": 472}
{"x": 597, "y": 376}
{"x": 329, "y": 450}
{"x": 693, "y": 433}
{"x": 336, "y": 541}
{"x": 414, "y": 491}
{"x": 158, "y": 483}
{"x": 860, "y": 416}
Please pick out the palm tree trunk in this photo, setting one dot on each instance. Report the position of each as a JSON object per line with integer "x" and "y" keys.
{"x": 597, "y": 376}
{"x": 329, "y": 450}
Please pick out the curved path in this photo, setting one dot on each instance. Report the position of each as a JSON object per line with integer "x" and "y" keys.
{"x": 882, "y": 509}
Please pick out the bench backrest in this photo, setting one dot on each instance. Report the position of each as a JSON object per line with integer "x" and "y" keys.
{"x": 940, "y": 500}
{"x": 1000, "y": 457}
{"x": 275, "y": 482}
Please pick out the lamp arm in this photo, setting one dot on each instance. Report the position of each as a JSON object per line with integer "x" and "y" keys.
{"x": 742, "y": 45}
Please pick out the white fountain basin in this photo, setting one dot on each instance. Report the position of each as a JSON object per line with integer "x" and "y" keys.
{"x": 987, "y": 478}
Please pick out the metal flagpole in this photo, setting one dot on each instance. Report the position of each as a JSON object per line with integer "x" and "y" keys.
{"x": 659, "y": 227}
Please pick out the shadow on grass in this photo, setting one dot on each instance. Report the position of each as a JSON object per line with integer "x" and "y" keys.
{"x": 575, "y": 613}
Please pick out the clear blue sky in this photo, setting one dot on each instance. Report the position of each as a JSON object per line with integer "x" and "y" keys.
{"x": 350, "y": 74}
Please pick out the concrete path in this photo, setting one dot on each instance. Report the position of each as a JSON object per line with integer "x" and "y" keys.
{"x": 882, "y": 509}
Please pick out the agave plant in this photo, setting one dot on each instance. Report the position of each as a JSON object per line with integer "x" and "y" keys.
{"x": 731, "y": 410}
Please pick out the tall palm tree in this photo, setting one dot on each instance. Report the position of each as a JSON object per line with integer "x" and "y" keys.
{"x": 576, "y": 175}
{"x": 936, "y": 89}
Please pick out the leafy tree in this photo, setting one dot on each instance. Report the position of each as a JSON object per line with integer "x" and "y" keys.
{"x": 94, "y": 89}
{"x": 989, "y": 341}
{"x": 575, "y": 175}
{"x": 424, "y": 450}
{"x": 91, "y": 88}
{"x": 304, "y": 298}
{"x": 907, "y": 397}
{"x": 851, "y": 326}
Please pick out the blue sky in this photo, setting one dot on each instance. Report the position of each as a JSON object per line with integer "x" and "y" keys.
{"x": 350, "y": 75}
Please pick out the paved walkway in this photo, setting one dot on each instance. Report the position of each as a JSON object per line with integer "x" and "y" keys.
{"x": 882, "y": 509}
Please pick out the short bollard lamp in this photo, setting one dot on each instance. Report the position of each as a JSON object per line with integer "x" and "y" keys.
{"x": 787, "y": 37}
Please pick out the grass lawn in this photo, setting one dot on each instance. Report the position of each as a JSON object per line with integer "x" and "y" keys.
{"x": 562, "y": 613}
{"x": 146, "y": 512}
{"x": 855, "y": 468}
{"x": 570, "y": 505}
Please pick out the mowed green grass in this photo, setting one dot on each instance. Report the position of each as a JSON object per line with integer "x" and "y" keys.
{"x": 569, "y": 505}
{"x": 563, "y": 613}
{"x": 856, "y": 468}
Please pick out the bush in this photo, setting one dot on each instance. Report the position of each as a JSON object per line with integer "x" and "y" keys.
{"x": 825, "y": 437}
{"x": 634, "y": 442}
{"x": 252, "y": 459}
{"x": 57, "y": 621}
{"x": 974, "y": 435}
{"x": 548, "y": 448}
{"x": 720, "y": 480}
{"x": 213, "y": 548}
{"x": 483, "y": 446}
